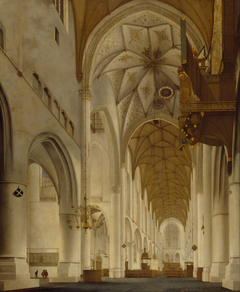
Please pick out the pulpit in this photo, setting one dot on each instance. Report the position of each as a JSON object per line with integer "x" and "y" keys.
{"x": 145, "y": 260}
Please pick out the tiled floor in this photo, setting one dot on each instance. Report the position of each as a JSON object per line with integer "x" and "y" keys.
{"x": 159, "y": 284}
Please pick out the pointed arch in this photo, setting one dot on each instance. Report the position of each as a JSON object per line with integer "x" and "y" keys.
{"x": 113, "y": 147}
{"x": 50, "y": 153}
{"x": 5, "y": 134}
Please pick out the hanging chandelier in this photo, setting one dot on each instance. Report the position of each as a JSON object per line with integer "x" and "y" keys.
{"x": 82, "y": 213}
{"x": 81, "y": 216}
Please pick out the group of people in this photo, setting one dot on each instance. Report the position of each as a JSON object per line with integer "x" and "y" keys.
{"x": 44, "y": 274}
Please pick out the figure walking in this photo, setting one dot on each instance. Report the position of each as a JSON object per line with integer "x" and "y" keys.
{"x": 36, "y": 274}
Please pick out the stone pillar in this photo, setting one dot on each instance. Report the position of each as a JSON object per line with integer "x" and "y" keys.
{"x": 207, "y": 207}
{"x": 232, "y": 276}
{"x": 85, "y": 249}
{"x": 200, "y": 206}
{"x": 14, "y": 270}
{"x": 139, "y": 255}
{"x": 122, "y": 216}
{"x": 115, "y": 244}
{"x": 200, "y": 232}
{"x": 69, "y": 268}
{"x": 220, "y": 219}
{"x": 130, "y": 255}
{"x": 195, "y": 212}
{"x": 85, "y": 96}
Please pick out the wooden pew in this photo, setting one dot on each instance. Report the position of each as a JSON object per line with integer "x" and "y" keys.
{"x": 142, "y": 273}
{"x": 173, "y": 270}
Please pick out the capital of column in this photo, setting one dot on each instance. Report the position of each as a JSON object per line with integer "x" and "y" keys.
{"x": 85, "y": 94}
{"x": 115, "y": 189}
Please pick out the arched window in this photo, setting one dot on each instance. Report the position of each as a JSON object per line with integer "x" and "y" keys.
{"x": 56, "y": 109}
{"x": 46, "y": 180}
{"x": 37, "y": 84}
{"x": 63, "y": 119}
{"x": 167, "y": 258}
{"x": 1, "y": 39}
{"x": 61, "y": 7}
{"x": 2, "y": 36}
{"x": 47, "y": 97}
{"x": 177, "y": 258}
{"x": 71, "y": 128}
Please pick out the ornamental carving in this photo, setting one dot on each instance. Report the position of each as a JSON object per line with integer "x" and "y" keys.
{"x": 124, "y": 58}
{"x": 134, "y": 110}
{"x": 135, "y": 34}
{"x": 124, "y": 106}
{"x": 131, "y": 77}
{"x": 85, "y": 94}
{"x": 146, "y": 89}
{"x": 162, "y": 35}
{"x": 146, "y": 18}
{"x": 110, "y": 43}
{"x": 116, "y": 77}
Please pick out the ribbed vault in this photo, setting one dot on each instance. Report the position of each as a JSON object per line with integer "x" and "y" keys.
{"x": 165, "y": 171}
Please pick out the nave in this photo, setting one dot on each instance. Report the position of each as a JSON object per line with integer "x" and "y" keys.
{"x": 158, "y": 284}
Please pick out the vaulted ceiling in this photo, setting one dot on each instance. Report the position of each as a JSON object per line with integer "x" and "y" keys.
{"x": 165, "y": 171}
{"x": 140, "y": 55}
{"x": 88, "y": 13}
{"x": 141, "y": 59}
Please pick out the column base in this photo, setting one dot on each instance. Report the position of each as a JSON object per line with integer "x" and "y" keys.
{"x": 195, "y": 272}
{"x": 67, "y": 272}
{"x": 14, "y": 274}
{"x": 218, "y": 271}
{"x": 115, "y": 273}
{"x": 206, "y": 274}
{"x": 122, "y": 273}
{"x": 21, "y": 282}
{"x": 232, "y": 278}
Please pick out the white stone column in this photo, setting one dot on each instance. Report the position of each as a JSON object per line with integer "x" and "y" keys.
{"x": 232, "y": 276}
{"x": 130, "y": 255}
{"x": 200, "y": 206}
{"x": 139, "y": 254}
{"x": 14, "y": 270}
{"x": 69, "y": 268}
{"x": 115, "y": 244}
{"x": 85, "y": 96}
{"x": 200, "y": 232}
{"x": 195, "y": 213}
{"x": 122, "y": 216}
{"x": 220, "y": 220}
{"x": 207, "y": 207}
{"x": 85, "y": 249}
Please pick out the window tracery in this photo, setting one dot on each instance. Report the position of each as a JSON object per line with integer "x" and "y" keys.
{"x": 46, "y": 180}
{"x": 59, "y": 5}
{"x": 172, "y": 235}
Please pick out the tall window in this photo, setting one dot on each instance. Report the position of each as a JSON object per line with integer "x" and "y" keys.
{"x": 59, "y": 5}
{"x": 171, "y": 233}
{"x": 1, "y": 39}
{"x": 46, "y": 181}
{"x": 37, "y": 84}
{"x": 2, "y": 36}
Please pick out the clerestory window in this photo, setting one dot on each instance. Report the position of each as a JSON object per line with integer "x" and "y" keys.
{"x": 60, "y": 7}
